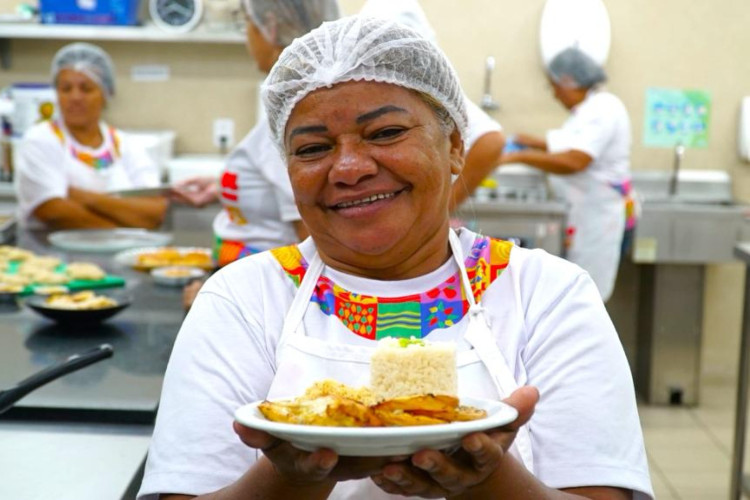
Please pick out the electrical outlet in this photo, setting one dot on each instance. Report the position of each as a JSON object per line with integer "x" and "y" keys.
{"x": 223, "y": 133}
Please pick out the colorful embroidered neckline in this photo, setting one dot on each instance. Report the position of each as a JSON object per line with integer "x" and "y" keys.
{"x": 100, "y": 161}
{"x": 412, "y": 315}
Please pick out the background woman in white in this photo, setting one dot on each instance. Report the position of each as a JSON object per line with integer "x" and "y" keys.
{"x": 258, "y": 210}
{"x": 66, "y": 166}
{"x": 590, "y": 159}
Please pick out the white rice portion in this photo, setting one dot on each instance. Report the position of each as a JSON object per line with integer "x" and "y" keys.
{"x": 413, "y": 370}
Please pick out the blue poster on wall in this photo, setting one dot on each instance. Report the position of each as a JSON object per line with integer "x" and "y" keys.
{"x": 676, "y": 116}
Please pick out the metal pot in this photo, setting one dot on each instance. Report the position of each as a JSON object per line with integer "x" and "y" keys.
{"x": 75, "y": 362}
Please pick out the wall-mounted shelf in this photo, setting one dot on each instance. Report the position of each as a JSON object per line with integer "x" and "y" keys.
{"x": 145, "y": 33}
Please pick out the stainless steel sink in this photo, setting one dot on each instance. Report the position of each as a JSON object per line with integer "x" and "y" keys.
{"x": 699, "y": 224}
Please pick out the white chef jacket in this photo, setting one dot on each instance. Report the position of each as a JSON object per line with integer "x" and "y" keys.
{"x": 479, "y": 123}
{"x": 50, "y": 161}
{"x": 258, "y": 208}
{"x": 545, "y": 317}
{"x": 600, "y": 127}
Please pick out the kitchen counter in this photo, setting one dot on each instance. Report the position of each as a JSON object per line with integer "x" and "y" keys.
{"x": 124, "y": 388}
{"x": 85, "y": 435}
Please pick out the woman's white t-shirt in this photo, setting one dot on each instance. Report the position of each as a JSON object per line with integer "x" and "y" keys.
{"x": 258, "y": 205}
{"x": 50, "y": 160}
{"x": 547, "y": 319}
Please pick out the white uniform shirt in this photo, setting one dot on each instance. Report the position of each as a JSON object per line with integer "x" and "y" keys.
{"x": 47, "y": 168}
{"x": 480, "y": 123}
{"x": 600, "y": 127}
{"x": 257, "y": 199}
{"x": 548, "y": 322}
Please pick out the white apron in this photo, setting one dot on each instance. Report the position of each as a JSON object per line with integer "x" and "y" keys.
{"x": 596, "y": 224}
{"x": 301, "y": 360}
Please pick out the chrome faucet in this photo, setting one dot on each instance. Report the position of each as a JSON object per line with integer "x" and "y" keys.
{"x": 488, "y": 103}
{"x": 679, "y": 154}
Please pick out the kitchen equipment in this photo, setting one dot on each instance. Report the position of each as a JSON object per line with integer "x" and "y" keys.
{"x": 102, "y": 12}
{"x": 488, "y": 103}
{"x": 519, "y": 206}
{"x": 158, "y": 144}
{"x": 32, "y": 102}
{"x": 75, "y": 362}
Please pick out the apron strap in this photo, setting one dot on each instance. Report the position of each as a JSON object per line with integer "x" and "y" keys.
{"x": 302, "y": 298}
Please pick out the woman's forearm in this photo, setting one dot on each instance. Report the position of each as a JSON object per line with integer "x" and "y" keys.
{"x": 146, "y": 212}
{"x": 64, "y": 213}
{"x": 531, "y": 141}
{"x": 565, "y": 163}
{"x": 263, "y": 482}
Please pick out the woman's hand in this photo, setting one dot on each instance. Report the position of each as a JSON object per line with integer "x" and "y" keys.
{"x": 435, "y": 474}
{"x": 304, "y": 468}
{"x": 196, "y": 191}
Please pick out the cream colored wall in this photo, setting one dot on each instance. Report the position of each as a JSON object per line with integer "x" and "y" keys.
{"x": 664, "y": 43}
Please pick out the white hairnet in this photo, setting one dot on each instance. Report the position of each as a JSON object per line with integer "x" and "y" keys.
{"x": 360, "y": 48}
{"x": 578, "y": 66}
{"x": 407, "y": 12}
{"x": 88, "y": 59}
{"x": 281, "y": 21}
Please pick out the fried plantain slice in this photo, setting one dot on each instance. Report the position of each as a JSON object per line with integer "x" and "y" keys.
{"x": 400, "y": 418}
{"x": 424, "y": 403}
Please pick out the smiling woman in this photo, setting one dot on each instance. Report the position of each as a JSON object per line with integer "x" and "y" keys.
{"x": 66, "y": 166}
{"x": 372, "y": 180}
{"x": 370, "y": 162}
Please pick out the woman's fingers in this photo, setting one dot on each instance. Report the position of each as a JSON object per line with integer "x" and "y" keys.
{"x": 523, "y": 399}
{"x": 254, "y": 438}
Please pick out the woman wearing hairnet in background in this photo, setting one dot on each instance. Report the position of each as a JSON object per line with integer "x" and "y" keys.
{"x": 370, "y": 117}
{"x": 259, "y": 212}
{"x": 590, "y": 157}
{"x": 66, "y": 166}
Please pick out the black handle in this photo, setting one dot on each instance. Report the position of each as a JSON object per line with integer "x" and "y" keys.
{"x": 73, "y": 363}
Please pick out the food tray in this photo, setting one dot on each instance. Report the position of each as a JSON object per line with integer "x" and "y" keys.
{"x": 109, "y": 281}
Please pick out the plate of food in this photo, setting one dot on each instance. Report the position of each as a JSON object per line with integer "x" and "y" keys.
{"x": 107, "y": 240}
{"x": 411, "y": 403}
{"x": 86, "y": 307}
{"x": 148, "y": 258}
{"x": 176, "y": 275}
{"x": 389, "y": 440}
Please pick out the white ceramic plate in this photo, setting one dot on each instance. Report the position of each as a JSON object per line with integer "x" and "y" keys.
{"x": 176, "y": 275}
{"x": 107, "y": 240}
{"x": 129, "y": 258}
{"x": 379, "y": 441}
